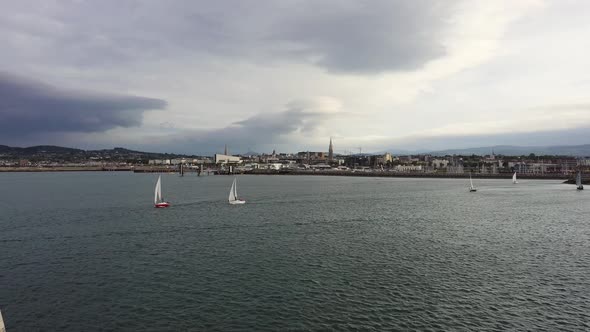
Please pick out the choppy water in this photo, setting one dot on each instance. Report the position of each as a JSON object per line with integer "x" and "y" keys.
{"x": 87, "y": 251}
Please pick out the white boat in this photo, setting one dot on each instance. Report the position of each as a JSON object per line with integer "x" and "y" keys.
{"x": 2, "y": 327}
{"x": 514, "y": 179}
{"x": 471, "y": 187}
{"x": 579, "y": 181}
{"x": 158, "y": 199}
{"x": 233, "y": 194}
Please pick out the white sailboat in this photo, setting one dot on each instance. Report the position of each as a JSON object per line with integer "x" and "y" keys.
{"x": 579, "y": 181}
{"x": 233, "y": 194}
{"x": 471, "y": 187}
{"x": 158, "y": 199}
{"x": 514, "y": 178}
{"x": 2, "y": 327}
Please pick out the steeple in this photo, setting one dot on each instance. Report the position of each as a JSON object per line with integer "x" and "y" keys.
{"x": 331, "y": 151}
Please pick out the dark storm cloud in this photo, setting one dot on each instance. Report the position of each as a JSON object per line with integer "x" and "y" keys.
{"x": 337, "y": 35}
{"x": 28, "y": 107}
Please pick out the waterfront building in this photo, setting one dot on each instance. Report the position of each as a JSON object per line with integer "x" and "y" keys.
{"x": 439, "y": 163}
{"x": 225, "y": 159}
{"x": 408, "y": 168}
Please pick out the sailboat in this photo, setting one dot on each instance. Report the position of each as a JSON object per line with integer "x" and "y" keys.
{"x": 158, "y": 199}
{"x": 2, "y": 327}
{"x": 471, "y": 187}
{"x": 579, "y": 181}
{"x": 233, "y": 194}
{"x": 514, "y": 179}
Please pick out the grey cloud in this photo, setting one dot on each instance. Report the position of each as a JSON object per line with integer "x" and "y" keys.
{"x": 262, "y": 132}
{"x": 31, "y": 108}
{"x": 367, "y": 36}
{"x": 338, "y": 35}
{"x": 572, "y": 136}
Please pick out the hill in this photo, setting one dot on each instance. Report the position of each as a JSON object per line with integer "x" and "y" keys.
{"x": 58, "y": 153}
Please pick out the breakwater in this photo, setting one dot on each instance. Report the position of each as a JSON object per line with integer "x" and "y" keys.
{"x": 66, "y": 169}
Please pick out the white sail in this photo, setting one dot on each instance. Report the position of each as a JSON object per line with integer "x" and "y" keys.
{"x": 2, "y": 327}
{"x": 233, "y": 192}
{"x": 471, "y": 187}
{"x": 579, "y": 179}
{"x": 158, "y": 191}
{"x": 514, "y": 178}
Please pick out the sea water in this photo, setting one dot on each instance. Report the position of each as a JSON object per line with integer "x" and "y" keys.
{"x": 88, "y": 251}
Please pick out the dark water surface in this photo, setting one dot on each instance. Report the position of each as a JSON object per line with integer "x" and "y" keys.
{"x": 87, "y": 251}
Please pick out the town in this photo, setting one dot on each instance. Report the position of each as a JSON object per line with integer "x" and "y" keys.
{"x": 49, "y": 158}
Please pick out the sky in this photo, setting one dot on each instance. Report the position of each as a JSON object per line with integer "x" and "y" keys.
{"x": 190, "y": 76}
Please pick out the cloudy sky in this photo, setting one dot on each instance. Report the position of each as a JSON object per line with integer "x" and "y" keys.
{"x": 190, "y": 76}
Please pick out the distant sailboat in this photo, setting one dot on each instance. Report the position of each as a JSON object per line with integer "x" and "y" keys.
{"x": 233, "y": 194}
{"x": 2, "y": 327}
{"x": 579, "y": 181}
{"x": 471, "y": 187}
{"x": 514, "y": 179}
{"x": 158, "y": 199}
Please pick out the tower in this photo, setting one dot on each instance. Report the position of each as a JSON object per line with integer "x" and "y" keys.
{"x": 331, "y": 151}
{"x": 225, "y": 151}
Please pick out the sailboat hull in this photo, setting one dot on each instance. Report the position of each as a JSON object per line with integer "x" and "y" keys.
{"x": 239, "y": 201}
{"x": 162, "y": 205}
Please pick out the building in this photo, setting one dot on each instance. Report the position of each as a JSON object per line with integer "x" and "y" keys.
{"x": 408, "y": 168}
{"x": 225, "y": 159}
{"x": 387, "y": 158}
{"x": 439, "y": 163}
